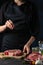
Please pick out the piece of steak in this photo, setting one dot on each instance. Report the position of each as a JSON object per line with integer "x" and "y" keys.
{"x": 34, "y": 56}
{"x": 15, "y": 52}
{"x": 18, "y": 53}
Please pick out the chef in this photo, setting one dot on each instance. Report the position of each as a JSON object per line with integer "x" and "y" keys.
{"x": 19, "y": 24}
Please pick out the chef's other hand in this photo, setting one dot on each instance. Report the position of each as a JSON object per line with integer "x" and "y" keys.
{"x": 26, "y": 49}
{"x": 9, "y": 24}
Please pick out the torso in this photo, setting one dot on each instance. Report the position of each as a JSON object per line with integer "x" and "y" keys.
{"x": 19, "y": 16}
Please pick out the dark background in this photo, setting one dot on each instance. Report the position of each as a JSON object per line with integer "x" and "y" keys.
{"x": 39, "y": 5}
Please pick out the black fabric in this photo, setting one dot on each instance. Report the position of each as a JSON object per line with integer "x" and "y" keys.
{"x": 25, "y": 21}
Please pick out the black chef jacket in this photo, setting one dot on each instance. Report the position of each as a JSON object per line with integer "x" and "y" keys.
{"x": 26, "y": 24}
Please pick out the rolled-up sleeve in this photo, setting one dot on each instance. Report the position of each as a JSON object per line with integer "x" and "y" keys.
{"x": 34, "y": 23}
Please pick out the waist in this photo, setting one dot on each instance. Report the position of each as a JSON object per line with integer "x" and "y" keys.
{"x": 17, "y": 36}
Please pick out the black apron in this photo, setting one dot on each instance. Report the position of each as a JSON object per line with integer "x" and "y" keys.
{"x": 16, "y": 38}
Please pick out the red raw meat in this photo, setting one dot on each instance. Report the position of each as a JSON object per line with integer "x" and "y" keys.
{"x": 42, "y": 58}
{"x": 15, "y": 52}
{"x": 34, "y": 56}
{"x": 18, "y": 53}
{"x": 9, "y": 51}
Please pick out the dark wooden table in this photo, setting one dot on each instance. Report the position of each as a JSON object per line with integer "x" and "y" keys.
{"x": 12, "y": 62}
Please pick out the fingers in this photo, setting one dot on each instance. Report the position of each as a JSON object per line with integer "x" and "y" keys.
{"x": 26, "y": 49}
{"x": 9, "y": 24}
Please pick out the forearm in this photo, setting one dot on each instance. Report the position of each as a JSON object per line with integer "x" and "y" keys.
{"x": 2, "y": 28}
{"x": 31, "y": 40}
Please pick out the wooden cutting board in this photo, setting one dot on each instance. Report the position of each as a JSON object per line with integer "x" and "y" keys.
{"x": 19, "y": 57}
{"x": 2, "y": 55}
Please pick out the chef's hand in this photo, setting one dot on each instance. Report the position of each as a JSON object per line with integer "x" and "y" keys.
{"x": 9, "y": 24}
{"x": 26, "y": 49}
{"x": 28, "y": 44}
